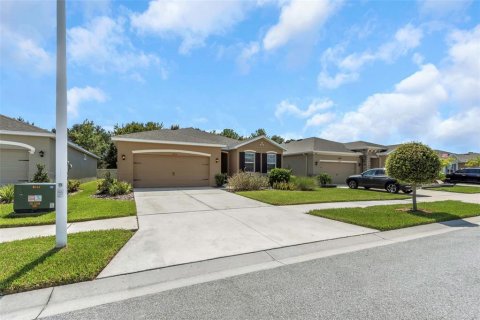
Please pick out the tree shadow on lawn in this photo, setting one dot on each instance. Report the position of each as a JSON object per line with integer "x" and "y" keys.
{"x": 445, "y": 218}
{"x": 25, "y": 269}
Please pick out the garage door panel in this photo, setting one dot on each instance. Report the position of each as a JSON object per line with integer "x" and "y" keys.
{"x": 338, "y": 171}
{"x": 13, "y": 166}
{"x": 170, "y": 171}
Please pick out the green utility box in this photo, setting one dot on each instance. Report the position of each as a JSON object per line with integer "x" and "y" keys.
{"x": 34, "y": 197}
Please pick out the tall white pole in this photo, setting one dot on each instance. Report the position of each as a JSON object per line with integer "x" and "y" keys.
{"x": 61, "y": 166}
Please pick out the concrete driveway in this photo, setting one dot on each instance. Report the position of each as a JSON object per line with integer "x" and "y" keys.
{"x": 179, "y": 226}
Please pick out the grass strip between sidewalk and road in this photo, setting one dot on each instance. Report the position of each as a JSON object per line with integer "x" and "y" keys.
{"x": 388, "y": 217}
{"x": 458, "y": 189}
{"x": 35, "y": 263}
{"x": 81, "y": 207}
{"x": 321, "y": 195}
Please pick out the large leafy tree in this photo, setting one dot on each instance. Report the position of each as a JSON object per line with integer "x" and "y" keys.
{"x": 258, "y": 132}
{"x": 92, "y": 137}
{"x": 133, "y": 127}
{"x": 230, "y": 133}
{"x": 277, "y": 139}
{"x": 413, "y": 163}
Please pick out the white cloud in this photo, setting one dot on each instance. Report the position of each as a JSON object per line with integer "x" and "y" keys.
{"x": 348, "y": 68}
{"x": 443, "y": 8}
{"x": 320, "y": 119}
{"x": 104, "y": 46}
{"x": 192, "y": 21}
{"x": 76, "y": 96}
{"x": 246, "y": 55}
{"x": 285, "y": 107}
{"x": 25, "y": 28}
{"x": 297, "y": 18}
{"x": 437, "y": 106}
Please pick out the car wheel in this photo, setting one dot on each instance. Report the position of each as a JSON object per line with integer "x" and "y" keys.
{"x": 352, "y": 184}
{"x": 391, "y": 188}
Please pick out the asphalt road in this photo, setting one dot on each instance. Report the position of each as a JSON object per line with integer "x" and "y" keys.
{"x": 431, "y": 278}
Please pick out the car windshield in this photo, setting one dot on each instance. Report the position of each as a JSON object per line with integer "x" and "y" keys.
{"x": 369, "y": 173}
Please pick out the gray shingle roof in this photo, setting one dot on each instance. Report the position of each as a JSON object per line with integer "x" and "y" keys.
{"x": 10, "y": 124}
{"x": 358, "y": 145}
{"x": 185, "y": 135}
{"x": 315, "y": 144}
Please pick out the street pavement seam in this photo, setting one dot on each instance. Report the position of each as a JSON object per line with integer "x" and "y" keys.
{"x": 46, "y": 304}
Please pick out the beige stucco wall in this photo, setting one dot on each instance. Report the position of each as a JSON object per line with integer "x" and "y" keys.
{"x": 319, "y": 157}
{"x": 81, "y": 168}
{"x": 301, "y": 165}
{"x": 259, "y": 146}
{"x": 125, "y": 167}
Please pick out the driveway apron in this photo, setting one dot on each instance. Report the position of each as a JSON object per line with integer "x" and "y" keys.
{"x": 178, "y": 226}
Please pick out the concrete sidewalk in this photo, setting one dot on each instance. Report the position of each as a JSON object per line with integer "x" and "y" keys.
{"x": 11, "y": 234}
{"x": 51, "y": 301}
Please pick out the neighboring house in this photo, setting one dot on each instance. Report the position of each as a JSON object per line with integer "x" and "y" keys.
{"x": 23, "y": 146}
{"x": 311, "y": 156}
{"x": 372, "y": 156}
{"x": 463, "y": 158}
{"x": 190, "y": 157}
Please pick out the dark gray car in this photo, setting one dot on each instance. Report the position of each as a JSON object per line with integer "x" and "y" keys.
{"x": 378, "y": 179}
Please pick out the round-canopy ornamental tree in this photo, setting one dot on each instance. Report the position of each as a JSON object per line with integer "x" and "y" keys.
{"x": 413, "y": 163}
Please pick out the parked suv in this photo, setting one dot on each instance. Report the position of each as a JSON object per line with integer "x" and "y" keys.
{"x": 376, "y": 178}
{"x": 468, "y": 175}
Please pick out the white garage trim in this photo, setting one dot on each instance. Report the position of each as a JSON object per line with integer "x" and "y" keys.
{"x": 272, "y": 152}
{"x": 338, "y": 161}
{"x": 30, "y": 149}
{"x": 172, "y": 151}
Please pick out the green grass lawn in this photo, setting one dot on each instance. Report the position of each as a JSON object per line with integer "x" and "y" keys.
{"x": 35, "y": 263}
{"x": 81, "y": 207}
{"x": 387, "y": 218}
{"x": 459, "y": 189}
{"x": 281, "y": 197}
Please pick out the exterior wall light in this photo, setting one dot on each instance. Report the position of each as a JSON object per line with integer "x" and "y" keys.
{"x": 316, "y": 163}
{"x": 123, "y": 157}
{"x": 216, "y": 160}
{"x": 41, "y": 153}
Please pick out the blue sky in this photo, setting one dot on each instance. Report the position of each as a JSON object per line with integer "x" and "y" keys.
{"x": 383, "y": 71}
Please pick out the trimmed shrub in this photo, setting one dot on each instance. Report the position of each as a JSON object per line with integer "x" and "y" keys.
{"x": 304, "y": 183}
{"x": 324, "y": 178}
{"x": 279, "y": 175}
{"x": 247, "y": 181}
{"x": 288, "y": 186}
{"x": 220, "y": 179}
{"x": 73, "y": 185}
{"x": 40, "y": 175}
{"x": 6, "y": 193}
{"x": 119, "y": 188}
{"x": 104, "y": 184}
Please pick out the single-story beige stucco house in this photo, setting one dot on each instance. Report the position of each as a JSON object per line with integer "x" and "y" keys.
{"x": 190, "y": 157}
{"x": 23, "y": 146}
{"x": 312, "y": 156}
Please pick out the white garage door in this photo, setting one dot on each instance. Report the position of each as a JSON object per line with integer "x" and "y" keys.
{"x": 152, "y": 170}
{"x": 338, "y": 171}
{"x": 13, "y": 166}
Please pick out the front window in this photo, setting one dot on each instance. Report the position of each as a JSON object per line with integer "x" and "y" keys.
{"x": 249, "y": 161}
{"x": 369, "y": 173}
{"x": 271, "y": 161}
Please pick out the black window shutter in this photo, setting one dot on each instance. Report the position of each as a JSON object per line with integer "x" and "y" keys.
{"x": 279, "y": 160}
{"x": 257, "y": 162}
{"x": 264, "y": 163}
{"x": 241, "y": 161}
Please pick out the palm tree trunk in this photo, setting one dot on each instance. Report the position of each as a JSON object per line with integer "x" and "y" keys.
{"x": 414, "y": 197}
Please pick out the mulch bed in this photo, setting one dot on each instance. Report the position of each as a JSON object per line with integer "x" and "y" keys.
{"x": 119, "y": 197}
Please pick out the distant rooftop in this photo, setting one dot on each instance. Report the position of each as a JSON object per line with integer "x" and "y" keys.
{"x": 358, "y": 145}
{"x": 10, "y": 124}
{"x": 315, "y": 144}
